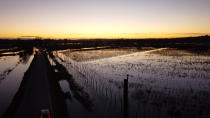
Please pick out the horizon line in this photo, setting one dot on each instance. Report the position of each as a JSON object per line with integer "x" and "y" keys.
{"x": 38, "y": 37}
{"x": 149, "y": 35}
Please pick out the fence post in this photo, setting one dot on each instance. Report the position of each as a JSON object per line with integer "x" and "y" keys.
{"x": 126, "y": 97}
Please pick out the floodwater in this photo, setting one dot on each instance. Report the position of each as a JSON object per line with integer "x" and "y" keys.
{"x": 11, "y": 74}
{"x": 161, "y": 83}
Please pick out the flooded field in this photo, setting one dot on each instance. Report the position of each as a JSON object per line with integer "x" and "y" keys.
{"x": 162, "y": 82}
{"x": 11, "y": 74}
{"x": 98, "y": 54}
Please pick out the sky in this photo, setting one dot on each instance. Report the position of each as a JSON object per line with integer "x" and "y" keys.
{"x": 104, "y": 18}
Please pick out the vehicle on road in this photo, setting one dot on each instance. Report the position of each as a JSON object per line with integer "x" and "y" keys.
{"x": 45, "y": 113}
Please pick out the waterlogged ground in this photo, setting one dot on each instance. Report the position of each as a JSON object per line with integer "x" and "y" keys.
{"x": 98, "y": 54}
{"x": 12, "y": 70}
{"x": 162, "y": 83}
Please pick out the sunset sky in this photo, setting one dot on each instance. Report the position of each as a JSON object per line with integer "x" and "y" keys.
{"x": 104, "y": 18}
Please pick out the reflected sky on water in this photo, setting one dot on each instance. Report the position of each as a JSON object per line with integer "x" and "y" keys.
{"x": 162, "y": 82}
{"x": 12, "y": 71}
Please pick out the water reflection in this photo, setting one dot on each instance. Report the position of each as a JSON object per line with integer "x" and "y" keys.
{"x": 75, "y": 95}
{"x": 173, "y": 83}
{"x": 99, "y": 89}
{"x": 24, "y": 58}
{"x": 12, "y": 71}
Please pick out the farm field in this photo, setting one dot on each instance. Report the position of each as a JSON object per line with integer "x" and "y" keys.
{"x": 168, "y": 82}
{"x": 12, "y": 70}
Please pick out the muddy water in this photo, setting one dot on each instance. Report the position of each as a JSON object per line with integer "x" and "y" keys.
{"x": 162, "y": 83}
{"x": 12, "y": 70}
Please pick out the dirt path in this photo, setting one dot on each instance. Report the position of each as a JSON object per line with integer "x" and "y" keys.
{"x": 37, "y": 94}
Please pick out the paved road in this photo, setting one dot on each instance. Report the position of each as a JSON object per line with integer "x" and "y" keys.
{"x": 37, "y": 94}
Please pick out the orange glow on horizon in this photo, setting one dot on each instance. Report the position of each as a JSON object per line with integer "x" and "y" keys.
{"x": 90, "y": 19}
{"x": 103, "y": 35}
